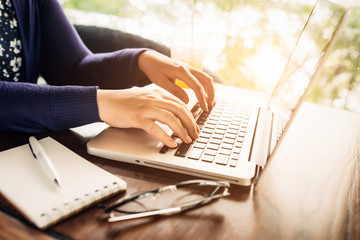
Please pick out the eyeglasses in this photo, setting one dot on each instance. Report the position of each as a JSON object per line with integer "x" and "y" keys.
{"x": 167, "y": 200}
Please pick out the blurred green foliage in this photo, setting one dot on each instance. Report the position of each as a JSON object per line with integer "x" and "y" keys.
{"x": 115, "y": 7}
{"x": 339, "y": 80}
{"x": 340, "y": 77}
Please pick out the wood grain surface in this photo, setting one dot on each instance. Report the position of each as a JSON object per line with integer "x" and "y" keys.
{"x": 309, "y": 191}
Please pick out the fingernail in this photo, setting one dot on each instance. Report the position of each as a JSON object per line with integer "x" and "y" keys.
{"x": 206, "y": 108}
{"x": 197, "y": 128}
{"x": 172, "y": 143}
{"x": 196, "y": 135}
{"x": 188, "y": 139}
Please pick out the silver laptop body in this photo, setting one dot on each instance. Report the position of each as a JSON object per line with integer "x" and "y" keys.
{"x": 241, "y": 134}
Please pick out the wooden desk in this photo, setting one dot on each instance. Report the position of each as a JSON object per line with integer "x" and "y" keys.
{"x": 311, "y": 191}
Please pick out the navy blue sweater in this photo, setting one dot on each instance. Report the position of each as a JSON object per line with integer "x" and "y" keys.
{"x": 53, "y": 49}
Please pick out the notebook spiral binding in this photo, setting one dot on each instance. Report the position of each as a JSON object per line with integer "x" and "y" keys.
{"x": 78, "y": 204}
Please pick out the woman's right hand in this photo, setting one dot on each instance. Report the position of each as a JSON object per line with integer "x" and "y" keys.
{"x": 140, "y": 108}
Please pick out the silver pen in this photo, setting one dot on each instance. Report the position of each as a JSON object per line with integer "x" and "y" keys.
{"x": 40, "y": 154}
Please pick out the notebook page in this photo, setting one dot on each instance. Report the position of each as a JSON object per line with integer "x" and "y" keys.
{"x": 24, "y": 183}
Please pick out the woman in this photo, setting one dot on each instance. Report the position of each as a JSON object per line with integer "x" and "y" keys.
{"x": 37, "y": 39}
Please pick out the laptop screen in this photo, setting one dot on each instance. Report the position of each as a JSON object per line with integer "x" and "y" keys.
{"x": 311, "y": 49}
{"x": 314, "y": 44}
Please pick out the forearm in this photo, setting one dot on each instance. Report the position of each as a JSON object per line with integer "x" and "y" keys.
{"x": 116, "y": 70}
{"x": 65, "y": 60}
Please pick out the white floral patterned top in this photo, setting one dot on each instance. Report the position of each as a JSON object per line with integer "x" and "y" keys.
{"x": 10, "y": 43}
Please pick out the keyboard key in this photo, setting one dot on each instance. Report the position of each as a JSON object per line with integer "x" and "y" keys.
{"x": 217, "y": 136}
{"x": 241, "y": 134}
{"x": 230, "y": 135}
{"x": 232, "y": 163}
{"x": 195, "y": 153}
{"x": 204, "y": 135}
{"x": 232, "y": 131}
{"x": 164, "y": 149}
{"x": 214, "y": 118}
{"x": 243, "y": 129}
{"x": 216, "y": 114}
{"x": 202, "y": 119}
{"x": 213, "y": 122}
{"x": 221, "y": 127}
{"x": 224, "y": 151}
{"x": 238, "y": 145}
{"x": 237, "y": 150}
{"x": 221, "y": 159}
{"x": 237, "y": 118}
{"x": 240, "y": 139}
{"x": 227, "y": 146}
{"x": 183, "y": 149}
{"x": 229, "y": 140}
{"x": 210, "y": 152}
{"x": 225, "y": 119}
{"x": 207, "y": 158}
{"x": 235, "y": 124}
{"x": 224, "y": 123}
{"x": 207, "y": 130}
{"x": 211, "y": 127}
{"x": 196, "y": 110}
{"x": 215, "y": 141}
{"x": 219, "y": 131}
{"x": 234, "y": 127}
{"x": 200, "y": 145}
{"x": 213, "y": 146}
{"x": 202, "y": 140}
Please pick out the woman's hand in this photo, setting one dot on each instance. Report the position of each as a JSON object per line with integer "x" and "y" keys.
{"x": 140, "y": 108}
{"x": 164, "y": 71}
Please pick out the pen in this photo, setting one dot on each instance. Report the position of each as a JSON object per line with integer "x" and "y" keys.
{"x": 40, "y": 154}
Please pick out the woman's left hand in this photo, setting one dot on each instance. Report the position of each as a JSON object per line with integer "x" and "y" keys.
{"x": 164, "y": 71}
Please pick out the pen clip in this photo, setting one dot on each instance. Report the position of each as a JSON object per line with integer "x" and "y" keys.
{"x": 40, "y": 154}
{"x": 32, "y": 151}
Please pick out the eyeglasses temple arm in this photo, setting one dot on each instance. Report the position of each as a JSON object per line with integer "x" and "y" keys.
{"x": 168, "y": 211}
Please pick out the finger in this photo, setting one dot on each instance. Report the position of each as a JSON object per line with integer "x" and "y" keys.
{"x": 175, "y": 90}
{"x": 155, "y": 130}
{"x": 171, "y": 103}
{"x": 174, "y": 123}
{"x": 183, "y": 114}
{"x": 172, "y": 96}
{"x": 186, "y": 76}
{"x": 208, "y": 83}
{"x": 176, "y": 100}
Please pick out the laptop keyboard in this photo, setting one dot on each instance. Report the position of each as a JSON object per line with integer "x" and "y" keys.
{"x": 222, "y": 132}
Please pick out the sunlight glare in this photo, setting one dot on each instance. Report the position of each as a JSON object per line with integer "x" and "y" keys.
{"x": 266, "y": 66}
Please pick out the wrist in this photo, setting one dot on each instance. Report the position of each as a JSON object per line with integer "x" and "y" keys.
{"x": 101, "y": 96}
{"x": 140, "y": 73}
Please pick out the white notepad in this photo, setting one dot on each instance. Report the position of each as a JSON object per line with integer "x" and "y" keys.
{"x": 24, "y": 183}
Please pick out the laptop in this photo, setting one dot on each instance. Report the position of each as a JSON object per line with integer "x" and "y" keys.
{"x": 241, "y": 134}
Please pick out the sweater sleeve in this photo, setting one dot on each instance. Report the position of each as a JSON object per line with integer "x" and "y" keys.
{"x": 73, "y": 73}
{"x": 28, "y": 107}
{"x": 116, "y": 70}
{"x": 65, "y": 60}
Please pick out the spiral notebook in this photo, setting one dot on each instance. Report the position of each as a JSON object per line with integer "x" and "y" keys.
{"x": 26, "y": 186}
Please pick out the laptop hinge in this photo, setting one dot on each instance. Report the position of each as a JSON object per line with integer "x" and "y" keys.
{"x": 262, "y": 138}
